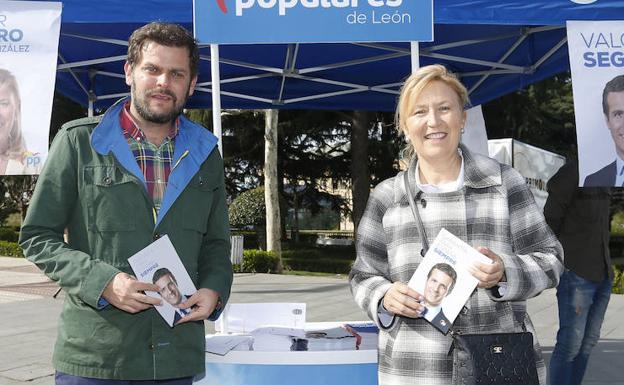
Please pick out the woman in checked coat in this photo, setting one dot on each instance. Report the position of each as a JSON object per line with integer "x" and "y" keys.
{"x": 481, "y": 201}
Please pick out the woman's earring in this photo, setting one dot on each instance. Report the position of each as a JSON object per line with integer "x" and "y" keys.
{"x": 463, "y": 130}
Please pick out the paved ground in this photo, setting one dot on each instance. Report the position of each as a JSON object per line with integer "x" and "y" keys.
{"x": 28, "y": 319}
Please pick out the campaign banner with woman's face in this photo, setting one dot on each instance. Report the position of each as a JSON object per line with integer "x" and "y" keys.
{"x": 596, "y": 51}
{"x": 29, "y": 37}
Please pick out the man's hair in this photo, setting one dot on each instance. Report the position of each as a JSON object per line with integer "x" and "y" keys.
{"x": 614, "y": 85}
{"x": 446, "y": 269}
{"x": 158, "y": 274}
{"x": 167, "y": 34}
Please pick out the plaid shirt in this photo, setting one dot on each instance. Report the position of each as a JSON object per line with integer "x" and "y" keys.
{"x": 154, "y": 161}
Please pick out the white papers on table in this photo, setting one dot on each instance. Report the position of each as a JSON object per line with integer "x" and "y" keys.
{"x": 246, "y": 317}
{"x": 277, "y": 339}
{"x": 330, "y": 338}
{"x": 222, "y": 343}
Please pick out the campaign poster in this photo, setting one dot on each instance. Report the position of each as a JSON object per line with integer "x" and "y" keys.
{"x": 29, "y": 37}
{"x": 596, "y": 51}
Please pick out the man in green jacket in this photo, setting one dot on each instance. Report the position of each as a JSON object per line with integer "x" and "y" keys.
{"x": 116, "y": 183}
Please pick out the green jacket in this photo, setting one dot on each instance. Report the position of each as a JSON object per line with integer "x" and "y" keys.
{"x": 92, "y": 186}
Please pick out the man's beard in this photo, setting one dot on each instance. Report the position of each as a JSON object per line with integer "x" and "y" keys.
{"x": 149, "y": 115}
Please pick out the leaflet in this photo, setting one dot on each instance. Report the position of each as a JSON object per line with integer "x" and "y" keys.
{"x": 159, "y": 263}
{"x": 444, "y": 279}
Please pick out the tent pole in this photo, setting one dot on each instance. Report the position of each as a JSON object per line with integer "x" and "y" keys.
{"x": 91, "y": 93}
{"x": 216, "y": 94}
{"x": 415, "y": 55}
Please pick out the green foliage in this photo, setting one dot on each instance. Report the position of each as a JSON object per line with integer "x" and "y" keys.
{"x": 325, "y": 265}
{"x": 250, "y": 238}
{"x": 326, "y": 218}
{"x": 336, "y": 260}
{"x": 248, "y": 209}
{"x": 10, "y": 249}
{"x": 14, "y": 221}
{"x": 243, "y": 141}
{"x": 17, "y": 191}
{"x": 617, "y": 224}
{"x": 618, "y": 280}
{"x": 259, "y": 261}
{"x": 315, "y": 252}
{"x": 8, "y": 234}
{"x": 542, "y": 114}
{"x": 7, "y": 204}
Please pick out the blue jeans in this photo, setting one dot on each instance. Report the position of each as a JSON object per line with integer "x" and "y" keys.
{"x": 582, "y": 306}
{"x": 68, "y": 379}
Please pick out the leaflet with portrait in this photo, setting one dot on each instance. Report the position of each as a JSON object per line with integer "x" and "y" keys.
{"x": 444, "y": 279}
{"x": 159, "y": 263}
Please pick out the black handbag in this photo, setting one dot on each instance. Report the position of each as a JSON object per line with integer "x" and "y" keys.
{"x": 494, "y": 359}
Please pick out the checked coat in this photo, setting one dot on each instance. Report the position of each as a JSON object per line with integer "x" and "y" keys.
{"x": 494, "y": 209}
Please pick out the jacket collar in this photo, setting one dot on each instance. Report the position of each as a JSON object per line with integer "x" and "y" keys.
{"x": 479, "y": 171}
{"x": 193, "y": 145}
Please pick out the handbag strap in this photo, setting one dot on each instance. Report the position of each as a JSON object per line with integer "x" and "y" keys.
{"x": 412, "y": 203}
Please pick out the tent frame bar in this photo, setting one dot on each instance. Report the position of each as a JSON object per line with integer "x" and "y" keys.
{"x": 289, "y": 70}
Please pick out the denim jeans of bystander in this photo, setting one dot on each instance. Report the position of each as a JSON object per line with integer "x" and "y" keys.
{"x": 582, "y": 306}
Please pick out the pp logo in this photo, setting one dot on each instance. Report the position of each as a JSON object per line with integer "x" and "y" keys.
{"x": 221, "y": 4}
{"x": 33, "y": 160}
{"x": 583, "y": 1}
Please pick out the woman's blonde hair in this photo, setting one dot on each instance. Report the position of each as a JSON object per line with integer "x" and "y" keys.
{"x": 413, "y": 87}
{"x": 17, "y": 145}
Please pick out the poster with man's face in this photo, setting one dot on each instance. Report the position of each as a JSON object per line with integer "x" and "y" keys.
{"x": 597, "y": 64}
{"x": 29, "y": 36}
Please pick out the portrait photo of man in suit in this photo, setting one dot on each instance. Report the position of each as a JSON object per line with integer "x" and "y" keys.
{"x": 440, "y": 282}
{"x": 613, "y": 109}
{"x": 170, "y": 291}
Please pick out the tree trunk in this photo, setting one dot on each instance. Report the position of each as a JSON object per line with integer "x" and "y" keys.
{"x": 295, "y": 224}
{"x": 360, "y": 173}
{"x": 271, "y": 193}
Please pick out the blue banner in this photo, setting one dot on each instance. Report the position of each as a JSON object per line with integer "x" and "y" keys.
{"x": 312, "y": 21}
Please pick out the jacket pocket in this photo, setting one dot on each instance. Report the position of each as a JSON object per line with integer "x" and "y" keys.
{"x": 113, "y": 199}
{"x": 200, "y": 193}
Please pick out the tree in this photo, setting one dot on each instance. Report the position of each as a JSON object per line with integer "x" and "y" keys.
{"x": 7, "y": 205}
{"x": 249, "y": 210}
{"x": 18, "y": 192}
{"x": 314, "y": 149}
{"x": 243, "y": 146}
{"x": 271, "y": 193}
{"x": 541, "y": 114}
{"x": 360, "y": 173}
